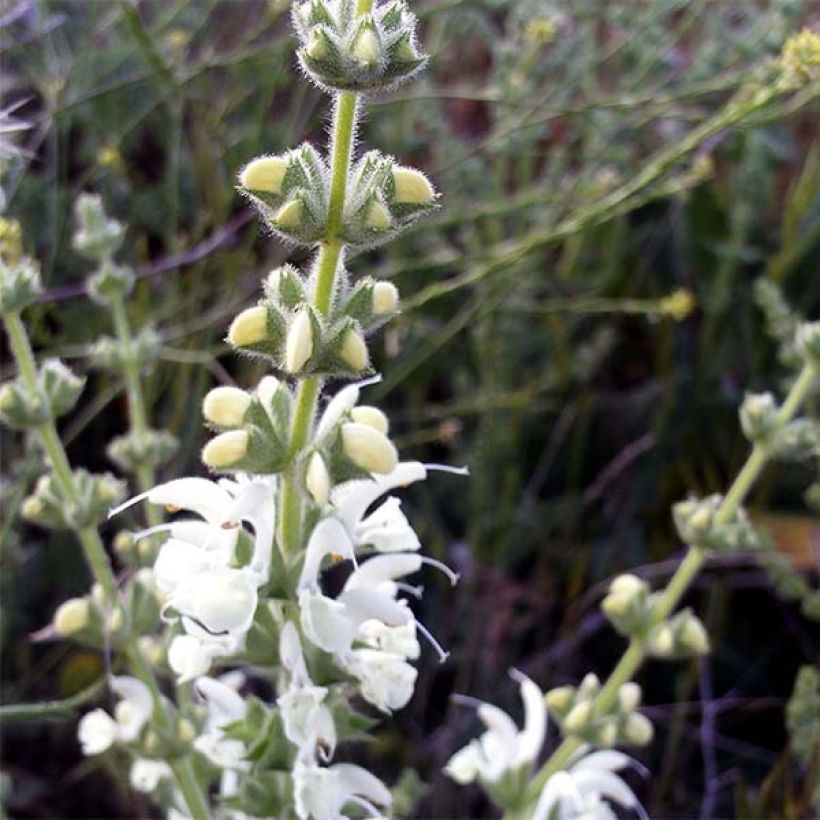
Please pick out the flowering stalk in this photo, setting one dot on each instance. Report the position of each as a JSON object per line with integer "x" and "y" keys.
{"x": 96, "y": 557}
{"x": 695, "y": 558}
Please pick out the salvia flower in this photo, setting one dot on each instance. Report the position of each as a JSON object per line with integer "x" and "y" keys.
{"x": 98, "y": 731}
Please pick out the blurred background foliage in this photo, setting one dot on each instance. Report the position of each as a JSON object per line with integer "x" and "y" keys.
{"x": 579, "y": 326}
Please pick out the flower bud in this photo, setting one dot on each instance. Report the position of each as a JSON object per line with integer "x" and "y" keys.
{"x": 629, "y": 697}
{"x": 151, "y": 649}
{"x": 123, "y": 542}
{"x": 578, "y": 718}
{"x": 606, "y": 734}
{"x": 353, "y": 351}
{"x": 627, "y": 584}
{"x": 266, "y": 389}
{"x": 369, "y": 449}
{"x": 377, "y": 217}
{"x": 807, "y": 339}
{"x": 638, "y": 729}
{"x": 225, "y": 450}
{"x": 290, "y": 215}
{"x": 317, "y": 47}
{"x": 663, "y": 641}
{"x": 758, "y": 416}
{"x": 590, "y": 686}
{"x": 372, "y": 417}
{"x": 116, "y": 620}
{"x": 366, "y": 48}
{"x": 226, "y": 406}
{"x": 385, "y": 298}
{"x": 693, "y": 636}
{"x": 559, "y": 700}
{"x": 71, "y": 616}
{"x": 299, "y": 343}
{"x": 250, "y": 327}
{"x": 186, "y": 731}
{"x": 264, "y": 174}
{"x": 317, "y": 479}
{"x": 411, "y": 187}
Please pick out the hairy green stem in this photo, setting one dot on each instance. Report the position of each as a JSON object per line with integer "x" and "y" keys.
{"x": 136, "y": 398}
{"x": 327, "y": 265}
{"x": 98, "y": 560}
{"x": 687, "y": 570}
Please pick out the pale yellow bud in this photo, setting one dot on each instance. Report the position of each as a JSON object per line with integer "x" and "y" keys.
{"x": 663, "y": 640}
{"x": 353, "y": 351}
{"x": 627, "y": 585}
{"x": 32, "y": 507}
{"x": 317, "y": 48}
{"x": 299, "y": 343}
{"x": 145, "y": 548}
{"x": 616, "y": 604}
{"x": 559, "y": 699}
{"x": 366, "y": 48}
{"x": 372, "y": 417}
{"x": 385, "y": 298}
{"x": 266, "y": 389}
{"x": 264, "y": 174}
{"x": 629, "y": 697}
{"x": 317, "y": 479}
{"x": 693, "y": 636}
{"x": 578, "y": 718}
{"x": 250, "y": 327}
{"x": 378, "y": 217}
{"x": 638, "y": 729}
{"x": 701, "y": 519}
{"x": 225, "y": 450}
{"x": 71, "y": 616}
{"x": 226, "y": 406}
{"x": 368, "y": 448}
{"x": 151, "y": 649}
{"x": 411, "y": 187}
{"x": 290, "y": 214}
{"x": 607, "y": 734}
{"x": 123, "y": 541}
{"x": 116, "y": 620}
{"x": 186, "y": 731}
{"x": 7, "y": 400}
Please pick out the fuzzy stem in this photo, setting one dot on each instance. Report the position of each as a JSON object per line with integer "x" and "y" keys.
{"x": 136, "y": 398}
{"x": 687, "y": 570}
{"x": 327, "y": 264}
{"x": 98, "y": 560}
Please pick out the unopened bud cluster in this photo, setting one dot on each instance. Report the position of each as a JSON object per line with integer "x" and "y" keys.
{"x": 699, "y": 525}
{"x": 19, "y": 282}
{"x": 56, "y": 393}
{"x": 576, "y": 712}
{"x": 341, "y": 50}
{"x": 292, "y": 191}
{"x": 807, "y": 342}
{"x": 51, "y": 506}
{"x": 142, "y": 448}
{"x": 632, "y": 610}
{"x": 97, "y": 236}
{"x": 111, "y": 354}
{"x": 299, "y": 340}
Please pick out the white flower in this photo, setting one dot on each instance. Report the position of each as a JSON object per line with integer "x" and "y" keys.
{"x": 580, "y": 792}
{"x": 399, "y": 640}
{"x": 191, "y": 657}
{"x": 502, "y": 748}
{"x": 225, "y": 705}
{"x": 308, "y": 723}
{"x": 146, "y": 775}
{"x": 321, "y": 793}
{"x": 98, "y": 731}
{"x": 386, "y": 679}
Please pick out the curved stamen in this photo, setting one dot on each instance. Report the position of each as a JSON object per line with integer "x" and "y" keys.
{"x": 151, "y": 531}
{"x": 126, "y": 504}
{"x": 442, "y": 655}
{"x": 416, "y": 592}
{"x": 433, "y": 562}
{"x": 446, "y": 468}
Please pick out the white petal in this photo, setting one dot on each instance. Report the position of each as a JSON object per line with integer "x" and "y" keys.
{"x": 224, "y": 703}
{"x": 146, "y": 775}
{"x": 97, "y": 731}
{"x": 328, "y": 538}
{"x": 560, "y": 791}
{"x": 386, "y": 680}
{"x": 291, "y": 656}
{"x": 222, "y": 599}
{"x": 178, "y": 560}
{"x": 387, "y": 529}
{"x": 135, "y": 708}
{"x": 466, "y": 764}
{"x": 343, "y": 401}
{"x": 326, "y": 623}
{"x": 255, "y": 504}
{"x": 353, "y": 498}
{"x": 531, "y": 739}
{"x": 361, "y": 782}
{"x": 364, "y": 604}
{"x": 607, "y": 759}
{"x": 605, "y": 783}
{"x": 400, "y": 640}
{"x": 383, "y": 568}
{"x": 189, "y": 657}
{"x": 198, "y": 495}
